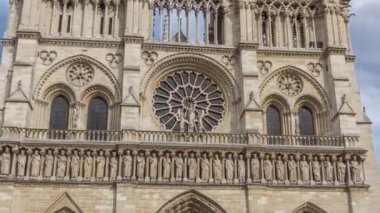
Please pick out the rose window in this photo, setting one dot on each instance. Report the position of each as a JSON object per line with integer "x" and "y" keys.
{"x": 188, "y": 102}
{"x": 290, "y": 84}
{"x": 80, "y": 74}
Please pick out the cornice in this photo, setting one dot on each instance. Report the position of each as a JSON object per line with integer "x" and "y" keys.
{"x": 350, "y": 58}
{"x": 248, "y": 46}
{"x": 31, "y": 35}
{"x": 76, "y": 42}
{"x": 177, "y": 47}
{"x": 8, "y": 41}
{"x": 335, "y": 50}
{"x": 311, "y": 53}
{"x": 133, "y": 39}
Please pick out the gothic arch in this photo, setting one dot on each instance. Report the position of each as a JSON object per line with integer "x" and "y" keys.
{"x": 98, "y": 91}
{"x": 279, "y": 102}
{"x": 60, "y": 88}
{"x": 299, "y": 72}
{"x": 309, "y": 101}
{"x": 64, "y": 204}
{"x": 194, "y": 62}
{"x": 308, "y": 207}
{"x": 77, "y": 58}
{"x": 191, "y": 201}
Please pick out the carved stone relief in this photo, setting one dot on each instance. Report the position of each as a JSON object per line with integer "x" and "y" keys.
{"x": 315, "y": 68}
{"x": 80, "y": 74}
{"x": 264, "y": 66}
{"x": 290, "y": 84}
{"x": 149, "y": 57}
{"x": 47, "y": 57}
{"x": 229, "y": 61}
{"x": 114, "y": 59}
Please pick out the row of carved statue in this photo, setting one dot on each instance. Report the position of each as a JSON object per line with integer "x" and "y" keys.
{"x": 181, "y": 166}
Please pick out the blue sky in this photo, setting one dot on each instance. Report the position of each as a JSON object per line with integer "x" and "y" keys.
{"x": 366, "y": 42}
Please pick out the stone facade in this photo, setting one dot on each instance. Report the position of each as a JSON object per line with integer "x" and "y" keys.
{"x": 188, "y": 88}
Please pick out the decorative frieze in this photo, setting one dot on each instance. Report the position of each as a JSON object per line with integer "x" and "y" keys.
{"x": 88, "y": 163}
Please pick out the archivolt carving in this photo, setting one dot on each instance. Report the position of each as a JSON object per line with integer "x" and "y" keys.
{"x": 308, "y": 100}
{"x": 191, "y": 61}
{"x": 80, "y": 74}
{"x": 290, "y": 84}
{"x": 73, "y": 60}
{"x": 60, "y": 88}
{"x": 277, "y": 100}
{"x": 98, "y": 90}
{"x": 309, "y": 208}
{"x": 191, "y": 201}
{"x": 300, "y": 73}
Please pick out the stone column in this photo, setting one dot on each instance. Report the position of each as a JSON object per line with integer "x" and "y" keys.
{"x": 147, "y": 163}
{"x": 274, "y": 179}
{"x": 67, "y": 175}
{"x": 287, "y": 182}
{"x": 210, "y": 178}
{"x": 172, "y": 174}
{"x": 261, "y": 157}
{"x": 120, "y": 162}
{"x": 40, "y": 177}
{"x": 311, "y": 176}
{"x": 322, "y": 160}
{"x": 134, "y": 153}
{"x": 81, "y": 154}
{"x": 54, "y": 175}
{"x": 223, "y": 159}
{"x": 298, "y": 158}
{"x": 185, "y": 156}
{"x": 348, "y": 170}
{"x": 236, "y": 179}
{"x": 15, "y": 151}
{"x": 29, "y": 161}
{"x": 93, "y": 176}
{"x": 336, "y": 181}
{"x": 248, "y": 167}
{"x": 198, "y": 176}
{"x": 107, "y": 166}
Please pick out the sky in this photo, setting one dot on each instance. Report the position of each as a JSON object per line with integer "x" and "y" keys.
{"x": 365, "y": 33}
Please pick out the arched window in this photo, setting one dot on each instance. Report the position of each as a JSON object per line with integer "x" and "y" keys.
{"x": 97, "y": 114}
{"x": 273, "y": 118}
{"x": 59, "y": 113}
{"x": 306, "y": 121}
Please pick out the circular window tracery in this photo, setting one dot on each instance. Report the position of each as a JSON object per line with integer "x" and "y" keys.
{"x": 188, "y": 102}
{"x": 290, "y": 84}
{"x": 80, "y": 74}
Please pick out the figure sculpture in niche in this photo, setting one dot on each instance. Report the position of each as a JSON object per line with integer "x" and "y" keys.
{"x": 268, "y": 169}
{"x": 153, "y": 162}
{"x": 61, "y": 165}
{"x": 179, "y": 166}
{"x": 182, "y": 119}
{"x": 100, "y": 162}
{"x": 255, "y": 167}
{"x": 217, "y": 168}
{"x": 140, "y": 166}
{"x": 229, "y": 168}
{"x": 21, "y": 162}
{"x": 304, "y": 166}
{"x": 316, "y": 170}
{"x": 49, "y": 161}
{"x": 355, "y": 170}
{"x": 280, "y": 169}
{"x": 166, "y": 165}
{"x": 5, "y": 162}
{"x": 241, "y": 168}
{"x": 88, "y": 161}
{"x": 75, "y": 161}
{"x": 200, "y": 121}
{"x": 127, "y": 162}
{"x": 113, "y": 166}
{"x": 205, "y": 167}
{"x": 341, "y": 170}
{"x": 36, "y": 164}
{"x": 328, "y": 170}
{"x": 292, "y": 166}
{"x": 191, "y": 122}
{"x": 192, "y": 163}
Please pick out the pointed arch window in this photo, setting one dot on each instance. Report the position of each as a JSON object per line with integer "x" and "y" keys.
{"x": 273, "y": 118}
{"x": 97, "y": 114}
{"x": 59, "y": 113}
{"x": 306, "y": 121}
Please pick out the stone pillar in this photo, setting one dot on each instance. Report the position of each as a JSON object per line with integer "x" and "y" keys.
{"x": 107, "y": 166}
{"x": 274, "y": 177}
{"x": 311, "y": 176}
{"x": 185, "y": 156}
{"x": 261, "y": 157}
{"x": 198, "y": 176}
{"x": 40, "y": 177}
{"x": 210, "y": 178}
{"x": 236, "y": 178}
{"x": 223, "y": 159}
{"x": 248, "y": 167}
{"x": 287, "y": 182}
{"x": 134, "y": 153}
{"x": 15, "y": 151}
{"x": 93, "y": 175}
{"x": 348, "y": 171}
{"x": 336, "y": 181}
{"x": 120, "y": 162}
{"x": 54, "y": 175}
{"x": 81, "y": 154}
{"x": 67, "y": 175}
{"x": 298, "y": 158}
{"x": 172, "y": 174}
{"x": 147, "y": 163}
{"x": 29, "y": 161}
{"x": 160, "y": 158}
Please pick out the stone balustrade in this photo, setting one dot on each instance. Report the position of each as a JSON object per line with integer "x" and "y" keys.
{"x": 21, "y": 134}
{"x": 78, "y": 163}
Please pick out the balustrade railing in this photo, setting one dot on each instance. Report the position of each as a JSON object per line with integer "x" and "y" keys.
{"x": 20, "y": 134}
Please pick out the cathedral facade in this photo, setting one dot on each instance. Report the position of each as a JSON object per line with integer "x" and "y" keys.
{"x": 183, "y": 106}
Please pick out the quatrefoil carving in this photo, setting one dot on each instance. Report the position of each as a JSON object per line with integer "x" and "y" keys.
{"x": 315, "y": 68}
{"x": 47, "y": 57}
{"x": 229, "y": 61}
{"x": 264, "y": 66}
{"x": 149, "y": 57}
{"x": 114, "y": 59}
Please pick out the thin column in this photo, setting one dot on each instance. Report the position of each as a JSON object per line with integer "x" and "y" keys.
{"x": 147, "y": 177}
{"x": 170, "y": 9}
{"x": 120, "y": 153}
{"x": 93, "y": 178}
{"x": 64, "y": 23}
{"x": 81, "y": 153}
{"x": 40, "y": 177}
{"x": 236, "y": 180}
{"x": 188, "y": 22}
{"x": 185, "y": 155}
{"x": 106, "y": 174}
{"x": 55, "y": 153}
{"x": 314, "y": 33}
{"x": 348, "y": 171}
{"x": 216, "y": 30}
{"x": 67, "y": 175}
{"x": 94, "y": 18}
{"x": 197, "y": 25}
{"x": 75, "y": 4}
{"x": 254, "y": 24}
{"x": 160, "y": 155}
{"x": 172, "y": 174}
{"x": 178, "y": 25}
{"x": 15, "y": 151}
{"x": 248, "y": 166}
{"x": 206, "y": 16}
{"x": 151, "y": 10}
{"x": 105, "y": 18}
{"x": 134, "y": 153}
{"x": 54, "y": 2}
{"x": 28, "y": 162}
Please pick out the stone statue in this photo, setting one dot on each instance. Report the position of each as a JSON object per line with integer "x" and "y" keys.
{"x": 49, "y": 161}
{"x": 280, "y": 169}
{"x": 61, "y": 164}
{"x": 192, "y": 163}
{"x": 88, "y": 161}
{"x": 229, "y": 168}
{"x": 217, "y": 168}
{"x": 205, "y": 167}
{"x": 304, "y": 169}
{"x": 355, "y": 170}
{"x": 328, "y": 170}
{"x": 182, "y": 119}
{"x": 5, "y": 161}
{"x": 21, "y": 163}
{"x": 341, "y": 166}
{"x": 100, "y": 163}
{"x": 200, "y": 121}
{"x": 241, "y": 168}
{"x": 113, "y": 166}
{"x": 292, "y": 166}
{"x": 166, "y": 166}
{"x": 140, "y": 166}
{"x": 153, "y": 162}
{"x": 75, "y": 161}
{"x": 255, "y": 168}
{"x": 127, "y": 162}
{"x": 179, "y": 166}
{"x": 36, "y": 164}
{"x": 316, "y": 170}
{"x": 267, "y": 168}
{"x": 191, "y": 122}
